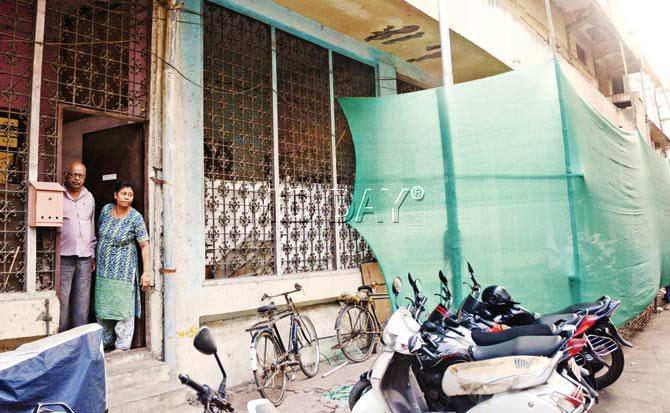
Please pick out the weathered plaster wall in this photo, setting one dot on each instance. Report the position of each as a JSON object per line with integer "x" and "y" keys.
{"x": 24, "y": 315}
{"x": 496, "y": 26}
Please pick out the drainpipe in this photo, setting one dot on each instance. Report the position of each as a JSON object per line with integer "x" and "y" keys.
{"x": 167, "y": 150}
{"x": 452, "y": 239}
{"x": 575, "y": 278}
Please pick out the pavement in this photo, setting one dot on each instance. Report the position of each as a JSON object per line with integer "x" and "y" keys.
{"x": 643, "y": 387}
{"x": 315, "y": 395}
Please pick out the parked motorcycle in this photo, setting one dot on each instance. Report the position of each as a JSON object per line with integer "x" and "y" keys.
{"x": 497, "y": 306}
{"x": 510, "y": 382}
{"x": 218, "y": 401}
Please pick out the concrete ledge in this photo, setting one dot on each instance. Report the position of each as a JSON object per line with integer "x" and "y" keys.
{"x": 27, "y": 314}
{"x": 239, "y": 297}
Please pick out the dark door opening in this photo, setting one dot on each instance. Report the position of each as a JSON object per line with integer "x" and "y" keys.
{"x": 112, "y": 149}
{"x": 111, "y": 155}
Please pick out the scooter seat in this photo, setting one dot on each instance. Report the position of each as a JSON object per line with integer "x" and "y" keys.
{"x": 266, "y": 308}
{"x": 568, "y": 318}
{"x": 521, "y": 346}
{"x": 482, "y": 338}
{"x": 591, "y": 308}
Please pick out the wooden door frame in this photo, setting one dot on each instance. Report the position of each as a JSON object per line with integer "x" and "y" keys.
{"x": 60, "y": 109}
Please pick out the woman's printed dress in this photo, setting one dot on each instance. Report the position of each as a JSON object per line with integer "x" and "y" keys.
{"x": 116, "y": 284}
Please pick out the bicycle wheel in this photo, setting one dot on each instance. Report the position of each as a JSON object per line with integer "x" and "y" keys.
{"x": 355, "y": 330}
{"x": 269, "y": 376}
{"x": 308, "y": 346}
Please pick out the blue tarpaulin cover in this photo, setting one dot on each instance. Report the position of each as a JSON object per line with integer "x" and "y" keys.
{"x": 67, "y": 367}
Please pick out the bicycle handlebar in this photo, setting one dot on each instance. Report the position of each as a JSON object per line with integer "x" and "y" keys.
{"x": 297, "y": 287}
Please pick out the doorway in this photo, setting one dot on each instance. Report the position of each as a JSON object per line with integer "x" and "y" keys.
{"x": 112, "y": 149}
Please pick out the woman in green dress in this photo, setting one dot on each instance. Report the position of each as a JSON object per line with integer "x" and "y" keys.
{"x": 117, "y": 298}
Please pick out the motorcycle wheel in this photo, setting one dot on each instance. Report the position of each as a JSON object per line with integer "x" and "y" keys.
{"x": 607, "y": 376}
{"x": 361, "y": 387}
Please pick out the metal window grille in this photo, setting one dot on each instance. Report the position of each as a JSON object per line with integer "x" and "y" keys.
{"x": 356, "y": 79}
{"x": 239, "y": 201}
{"x": 305, "y": 162}
{"x": 406, "y": 87}
{"x": 242, "y": 235}
{"x": 96, "y": 56}
{"x": 16, "y": 57}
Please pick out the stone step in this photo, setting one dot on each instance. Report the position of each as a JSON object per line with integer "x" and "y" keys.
{"x": 115, "y": 359}
{"x": 149, "y": 398}
{"x": 136, "y": 373}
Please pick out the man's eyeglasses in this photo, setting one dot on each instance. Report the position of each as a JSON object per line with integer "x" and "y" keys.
{"x": 80, "y": 176}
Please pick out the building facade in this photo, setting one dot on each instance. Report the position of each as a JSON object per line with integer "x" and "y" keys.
{"x": 225, "y": 113}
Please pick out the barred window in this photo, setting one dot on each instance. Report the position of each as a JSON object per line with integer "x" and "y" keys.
{"x": 350, "y": 78}
{"x": 403, "y": 86}
{"x": 239, "y": 203}
{"x": 242, "y": 235}
{"x": 16, "y": 62}
{"x": 305, "y": 158}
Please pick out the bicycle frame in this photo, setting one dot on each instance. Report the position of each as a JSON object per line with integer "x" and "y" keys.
{"x": 271, "y": 326}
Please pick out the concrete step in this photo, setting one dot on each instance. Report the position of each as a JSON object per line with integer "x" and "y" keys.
{"x": 149, "y": 398}
{"x": 136, "y": 373}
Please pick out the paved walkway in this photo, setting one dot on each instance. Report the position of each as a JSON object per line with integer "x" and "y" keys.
{"x": 315, "y": 395}
{"x": 644, "y": 386}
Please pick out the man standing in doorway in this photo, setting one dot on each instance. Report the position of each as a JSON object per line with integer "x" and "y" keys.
{"x": 77, "y": 249}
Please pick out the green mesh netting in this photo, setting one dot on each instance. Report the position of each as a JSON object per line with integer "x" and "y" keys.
{"x": 483, "y": 176}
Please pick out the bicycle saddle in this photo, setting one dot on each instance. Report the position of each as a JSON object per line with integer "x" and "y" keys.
{"x": 267, "y": 308}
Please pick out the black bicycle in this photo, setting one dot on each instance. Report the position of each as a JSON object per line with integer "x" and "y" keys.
{"x": 271, "y": 360}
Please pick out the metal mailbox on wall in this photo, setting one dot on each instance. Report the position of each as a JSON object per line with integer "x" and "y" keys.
{"x": 45, "y": 204}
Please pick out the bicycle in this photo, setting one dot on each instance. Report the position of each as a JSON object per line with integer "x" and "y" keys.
{"x": 270, "y": 359}
{"x": 357, "y": 326}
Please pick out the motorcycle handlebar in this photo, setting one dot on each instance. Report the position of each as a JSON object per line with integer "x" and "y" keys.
{"x": 199, "y": 388}
{"x": 205, "y": 394}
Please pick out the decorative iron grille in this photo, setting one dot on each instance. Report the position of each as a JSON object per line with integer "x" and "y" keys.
{"x": 406, "y": 87}
{"x": 17, "y": 19}
{"x": 239, "y": 198}
{"x": 96, "y": 56}
{"x": 354, "y": 79}
{"x": 305, "y": 163}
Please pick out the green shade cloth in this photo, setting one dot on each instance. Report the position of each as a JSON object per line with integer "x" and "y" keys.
{"x": 521, "y": 177}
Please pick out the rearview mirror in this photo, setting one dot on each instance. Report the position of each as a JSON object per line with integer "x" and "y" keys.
{"x": 397, "y": 286}
{"x": 417, "y": 285}
{"x": 204, "y": 342}
{"x": 443, "y": 279}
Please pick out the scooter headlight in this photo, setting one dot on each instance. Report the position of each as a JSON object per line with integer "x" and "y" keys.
{"x": 392, "y": 341}
{"x": 389, "y": 338}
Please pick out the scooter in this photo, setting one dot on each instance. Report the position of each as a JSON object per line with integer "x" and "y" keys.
{"x": 392, "y": 386}
{"x": 475, "y": 336}
{"x": 497, "y": 306}
{"x": 218, "y": 401}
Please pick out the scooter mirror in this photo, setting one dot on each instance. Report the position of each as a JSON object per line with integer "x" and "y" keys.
{"x": 397, "y": 286}
{"x": 417, "y": 285}
{"x": 204, "y": 342}
{"x": 443, "y": 279}
{"x": 470, "y": 270}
